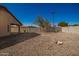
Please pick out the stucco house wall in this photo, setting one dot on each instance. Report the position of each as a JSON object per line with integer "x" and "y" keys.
{"x": 14, "y": 28}
{"x": 6, "y": 19}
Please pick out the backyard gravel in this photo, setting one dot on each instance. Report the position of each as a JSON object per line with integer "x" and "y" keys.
{"x": 41, "y": 45}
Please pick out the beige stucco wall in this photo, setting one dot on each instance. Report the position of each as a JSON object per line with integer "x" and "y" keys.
{"x": 14, "y": 28}
{"x": 71, "y": 29}
{"x": 23, "y": 29}
{"x": 5, "y": 20}
{"x": 29, "y": 29}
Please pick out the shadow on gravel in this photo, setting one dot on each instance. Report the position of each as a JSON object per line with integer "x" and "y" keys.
{"x": 14, "y": 39}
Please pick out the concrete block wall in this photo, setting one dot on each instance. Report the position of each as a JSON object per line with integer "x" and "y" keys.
{"x": 71, "y": 29}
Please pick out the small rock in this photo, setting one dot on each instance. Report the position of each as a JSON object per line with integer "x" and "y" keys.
{"x": 59, "y": 42}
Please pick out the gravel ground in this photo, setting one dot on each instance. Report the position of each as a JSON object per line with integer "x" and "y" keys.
{"x": 44, "y": 45}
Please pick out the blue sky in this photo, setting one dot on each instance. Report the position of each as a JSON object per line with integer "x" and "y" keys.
{"x": 28, "y": 12}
